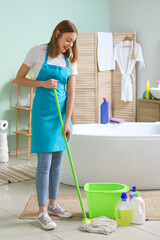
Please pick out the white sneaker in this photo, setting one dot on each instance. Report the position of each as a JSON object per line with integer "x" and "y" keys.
{"x": 46, "y": 221}
{"x": 58, "y": 211}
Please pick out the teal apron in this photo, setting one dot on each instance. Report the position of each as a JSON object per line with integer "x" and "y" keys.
{"x": 46, "y": 128}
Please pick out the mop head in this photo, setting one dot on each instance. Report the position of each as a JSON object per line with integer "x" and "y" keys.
{"x": 101, "y": 225}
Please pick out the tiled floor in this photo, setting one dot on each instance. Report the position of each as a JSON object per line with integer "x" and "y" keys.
{"x": 14, "y": 196}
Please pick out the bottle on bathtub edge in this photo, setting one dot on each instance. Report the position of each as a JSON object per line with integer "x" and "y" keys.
{"x": 148, "y": 90}
{"x": 105, "y": 111}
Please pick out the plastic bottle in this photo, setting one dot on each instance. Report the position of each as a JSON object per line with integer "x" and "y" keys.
{"x": 148, "y": 90}
{"x": 123, "y": 211}
{"x": 131, "y": 195}
{"x": 105, "y": 111}
{"x": 158, "y": 83}
{"x": 138, "y": 208}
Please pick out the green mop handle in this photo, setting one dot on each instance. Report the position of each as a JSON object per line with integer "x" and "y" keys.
{"x": 69, "y": 154}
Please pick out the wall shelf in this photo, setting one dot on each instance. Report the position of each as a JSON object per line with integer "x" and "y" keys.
{"x": 23, "y": 108}
{"x": 27, "y": 132}
{"x": 23, "y": 132}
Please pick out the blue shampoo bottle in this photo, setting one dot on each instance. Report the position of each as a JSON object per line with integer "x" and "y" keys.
{"x": 105, "y": 111}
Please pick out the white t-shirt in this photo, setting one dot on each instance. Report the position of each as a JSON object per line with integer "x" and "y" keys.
{"x": 36, "y": 57}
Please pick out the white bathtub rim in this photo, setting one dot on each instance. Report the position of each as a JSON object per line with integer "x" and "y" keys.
{"x": 113, "y": 135}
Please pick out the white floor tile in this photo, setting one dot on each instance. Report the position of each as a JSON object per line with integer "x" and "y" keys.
{"x": 19, "y": 160}
{"x": 122, "y": 233}
{"x": 64, "y": 228}
{"x": 14, "y": 196}
{"x": 13, "y": 228}
{"x": 150, "y": 226}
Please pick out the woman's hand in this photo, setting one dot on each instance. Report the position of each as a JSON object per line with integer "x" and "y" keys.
{"x": 51, "y": 83}
{"x": 67, "y": 131}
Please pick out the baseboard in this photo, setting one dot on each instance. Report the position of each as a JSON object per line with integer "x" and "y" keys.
{"x": 21, "y": 150}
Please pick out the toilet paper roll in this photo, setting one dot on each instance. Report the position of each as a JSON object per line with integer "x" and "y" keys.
{"x": 4, "y": 157}
{"x": 3, "y": 124}
{"x": 3, "y": 141}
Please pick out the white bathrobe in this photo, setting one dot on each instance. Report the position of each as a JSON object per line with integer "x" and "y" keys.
{"x": 123, "y": 56}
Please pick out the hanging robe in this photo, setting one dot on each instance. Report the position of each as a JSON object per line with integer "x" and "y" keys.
{"x": 123, "y": 56}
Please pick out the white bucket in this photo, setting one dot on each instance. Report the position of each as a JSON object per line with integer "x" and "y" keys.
{"x": 3, "y": 148}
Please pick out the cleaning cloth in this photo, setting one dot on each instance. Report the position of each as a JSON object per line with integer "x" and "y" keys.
{"x": 116, "y": 120}
{"x": 101, "y": 225}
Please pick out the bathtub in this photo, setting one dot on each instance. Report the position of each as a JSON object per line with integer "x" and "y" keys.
{"x": 127, "y": 153}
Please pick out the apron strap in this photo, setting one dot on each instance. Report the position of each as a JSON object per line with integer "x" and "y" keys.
{"x": 67, "y": 63}
{"x": 46, "y": 57}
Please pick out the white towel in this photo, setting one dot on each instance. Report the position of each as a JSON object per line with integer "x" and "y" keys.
{"x": 105, "y": 51}
{"x": 157, "y": 127}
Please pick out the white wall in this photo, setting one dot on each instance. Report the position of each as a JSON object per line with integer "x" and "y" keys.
{"x": 142, "y": 16}
{"x": 24, "y": 24}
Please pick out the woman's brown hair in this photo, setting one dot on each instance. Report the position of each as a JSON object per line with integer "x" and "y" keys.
{"x": 64, "y": 27}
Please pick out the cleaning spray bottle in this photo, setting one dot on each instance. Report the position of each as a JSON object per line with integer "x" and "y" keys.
{"x": 105, "y": 111}
{"x": 131, "y": 195}
{"x": 123, "y": 211}
{"x": 148, "y": 90}
{"x": 138, "y": 208}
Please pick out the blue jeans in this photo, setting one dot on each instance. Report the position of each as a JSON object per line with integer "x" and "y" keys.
{"x": 48, "y": 175}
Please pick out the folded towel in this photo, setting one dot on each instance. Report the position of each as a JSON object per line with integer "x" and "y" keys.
{"x": 157, "y": 127}
{"x": 105, "y": 51}
{"x": 116, "y": 120}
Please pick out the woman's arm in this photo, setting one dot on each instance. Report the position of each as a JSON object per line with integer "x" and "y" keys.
{"x": 21, "y": 79}
{"x": 69, "y": 105}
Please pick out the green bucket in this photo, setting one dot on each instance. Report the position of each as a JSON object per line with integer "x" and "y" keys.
{"x": 103, "y": 197}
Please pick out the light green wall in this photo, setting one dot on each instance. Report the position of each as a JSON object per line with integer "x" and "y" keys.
{"x": 142, "y": 16}
{"x": 25, "y": 24}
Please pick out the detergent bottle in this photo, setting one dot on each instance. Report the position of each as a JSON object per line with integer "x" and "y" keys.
{"x": 138, "y": 208}
{"x": 105, "y": 111}
{"x": 148, "y": 90}
{"x": 123, "y": 211}
{"x": 131, "y": 195}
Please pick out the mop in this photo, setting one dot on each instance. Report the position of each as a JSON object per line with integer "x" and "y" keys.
{"x": 102, "y": 224}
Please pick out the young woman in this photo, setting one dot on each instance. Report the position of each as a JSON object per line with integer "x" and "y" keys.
{"x": 54, "y": 66}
